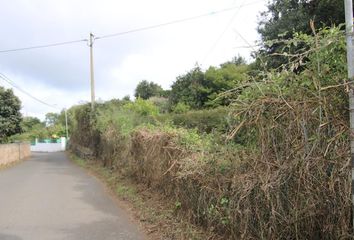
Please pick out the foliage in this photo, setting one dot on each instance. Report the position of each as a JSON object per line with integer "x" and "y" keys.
{"x": 161, "y": 103}
{"x": 227, "y": 77}
{"x": 28, "y": 123}
{"x": 126, "y": 98}
{"x": 284, "y": 18}
{"x": 237, "y": 60}
{"x": 181, "y": 108}
{"x": 10, "y": 116}
{"x": 51, "y": 118}
{"x": 190, "y": 89}
{"x": 283, "y": 170}
{"x": 205, "y": 121}
{"x": 142, "y": 107}
{"x": 146, "y": 89}
{"x": 199, "y": 89}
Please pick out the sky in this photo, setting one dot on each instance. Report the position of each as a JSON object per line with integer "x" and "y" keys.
{"x": 60, "y": 75}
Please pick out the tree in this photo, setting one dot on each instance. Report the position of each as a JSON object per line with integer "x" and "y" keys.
{"x": 126, "y": 98}
{"x": 190, "y": 89}
{"x": 51, "y": 119}
{"x": 199, "y": 89}
{"x": 285, "y": 17}
{"x": 10, "y": 116}
{"x": 228, "y": 76}
{"x": 28, "y": 123}
{"x": 238, "y": 60}
{"x": 146, "y": 89}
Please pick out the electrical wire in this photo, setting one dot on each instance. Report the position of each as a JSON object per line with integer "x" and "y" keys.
{"x": 43, "y": 46}
{"x": 13, "y": 84}
{"x": 175, "y": 21}
{"x": 211, "y": 49}
{"x": 130, "y": 31}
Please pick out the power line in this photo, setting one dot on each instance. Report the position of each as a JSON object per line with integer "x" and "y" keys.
{"x": 13, "y": 84}
{"x": 246, "y": 41}
{"x": 130, "y": 31}
{"x": 43, "y": 46}
{"x": 175, "y": 21}
{"x": 211, "y": 49}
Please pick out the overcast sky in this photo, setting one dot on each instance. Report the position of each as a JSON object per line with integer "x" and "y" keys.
{"x": 60, "y": 75}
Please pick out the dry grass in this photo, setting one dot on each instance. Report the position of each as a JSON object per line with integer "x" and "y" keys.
{"x": 289, "y": 180}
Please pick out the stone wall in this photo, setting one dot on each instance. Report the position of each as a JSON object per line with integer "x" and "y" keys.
{"x": 14, "y": 152}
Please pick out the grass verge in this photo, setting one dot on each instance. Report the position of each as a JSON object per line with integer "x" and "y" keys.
{"x": 156, "y": 214}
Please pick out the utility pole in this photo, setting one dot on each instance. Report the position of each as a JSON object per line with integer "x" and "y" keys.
{"x": 92, "y": 73}
{"x": 66, "y": 124}
{"x": 350, "y": 61}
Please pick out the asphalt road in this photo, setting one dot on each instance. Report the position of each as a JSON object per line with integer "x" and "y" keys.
{"x": 48, "y": 197}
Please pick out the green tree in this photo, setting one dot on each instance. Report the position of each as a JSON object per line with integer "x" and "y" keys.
{"x": 10, "y": 116}
{"x": 146, "y": 90}
{"x": 190, "y": 89}
{"x": 51, "y": 118}
{"x": 29, "y": 123}
{"x": 199, "y": 89}
{"x": 238, "y": 60}
{"x": 283, "y": 18}
{"x": 126, "y": 98}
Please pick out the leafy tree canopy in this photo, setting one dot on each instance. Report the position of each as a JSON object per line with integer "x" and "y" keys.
{"x": 10, "y": 116}
{"x": 28, "y": 123}
{"x": 199, "y": 89}
{"x": 51, "y": 118}
{"x": 146, "y": 89}
{"x": 285, "y": 17}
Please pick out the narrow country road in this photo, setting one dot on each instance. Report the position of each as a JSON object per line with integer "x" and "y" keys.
{"x": 48, "y": 197}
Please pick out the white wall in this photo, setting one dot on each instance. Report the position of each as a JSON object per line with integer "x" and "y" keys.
{"x": 49, "y": 147}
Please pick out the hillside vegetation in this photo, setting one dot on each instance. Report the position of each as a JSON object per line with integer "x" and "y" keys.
{"x": 245, "y": 152}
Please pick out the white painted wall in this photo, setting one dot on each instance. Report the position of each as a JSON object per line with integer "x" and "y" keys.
{"x": 49, "y": 147}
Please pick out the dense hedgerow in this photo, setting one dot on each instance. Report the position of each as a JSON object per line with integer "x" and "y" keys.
{"x": 282, "y": 172}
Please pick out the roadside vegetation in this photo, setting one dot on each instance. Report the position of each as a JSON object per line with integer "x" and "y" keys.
{"x": 265, "y": 156}
{"x": 32, "y": 128}
{"x": 243, "y": 150}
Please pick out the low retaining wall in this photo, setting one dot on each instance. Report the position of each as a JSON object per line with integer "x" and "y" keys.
{"x": 14, "y": 152}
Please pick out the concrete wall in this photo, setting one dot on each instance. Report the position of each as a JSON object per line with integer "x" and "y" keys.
{"x": 49, "y": 147}
{"x": 14, "y": 152}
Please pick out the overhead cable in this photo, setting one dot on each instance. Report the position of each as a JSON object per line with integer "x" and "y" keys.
{"x": 42, "y": 46}
{"x": 13, "y": 84}
{"x": 175, "y": 21}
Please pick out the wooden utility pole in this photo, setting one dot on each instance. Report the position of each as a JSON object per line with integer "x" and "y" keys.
{"x": 350, "y": 61}
{"x": 66, "y": 124}
{"x": 92, "y": 73}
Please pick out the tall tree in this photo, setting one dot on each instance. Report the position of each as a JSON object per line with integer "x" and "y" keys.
{"x": 285, "y": 17}
{"x": 199, "y": 89}
{"x": 28, "y": 123}
{"x": 51, "y": 118}
{"x": 190, "y": 89}
{"x": 10, "y": 116}
{"x": 146, "y": 90}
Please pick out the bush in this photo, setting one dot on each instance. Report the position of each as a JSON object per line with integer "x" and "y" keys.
{"x": 181, "y": 108}
{"x": 290, "y": 176}
{"x": 143, "y": 107}
{"x": 205, "y": 121}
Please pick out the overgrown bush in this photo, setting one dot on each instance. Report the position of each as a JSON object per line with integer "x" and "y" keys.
{"x": 285, "y": 172}
{"x": 205, "y": 121}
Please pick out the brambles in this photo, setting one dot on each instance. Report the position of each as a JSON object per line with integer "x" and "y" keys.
{"x": 273, "y": 165}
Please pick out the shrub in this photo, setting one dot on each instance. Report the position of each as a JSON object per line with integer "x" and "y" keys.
{"x": 181, "y": 108}
{"x": 205, "y": 121}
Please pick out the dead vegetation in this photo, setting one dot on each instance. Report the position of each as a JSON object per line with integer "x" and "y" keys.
{"x": 283, "y": 172}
